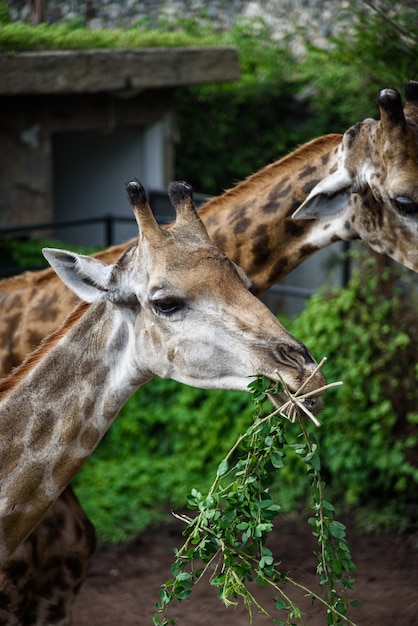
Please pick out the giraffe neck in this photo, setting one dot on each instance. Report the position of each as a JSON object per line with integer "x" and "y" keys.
{"x": 265, "y": 241}
{"x": 44, "y": 451}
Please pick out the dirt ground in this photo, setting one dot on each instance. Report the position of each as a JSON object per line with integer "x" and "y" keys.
{"x": 124, "y": 581}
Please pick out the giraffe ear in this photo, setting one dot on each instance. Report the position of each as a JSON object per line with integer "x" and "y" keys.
{"x": 328, "y": 197}
{"x": 85, "y": 276}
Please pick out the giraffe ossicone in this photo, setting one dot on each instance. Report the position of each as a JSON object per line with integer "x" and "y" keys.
{"x": 173, "y": 305}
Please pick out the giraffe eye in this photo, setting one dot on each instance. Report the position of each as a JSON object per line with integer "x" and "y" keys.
{"x": 405, "y": 205}
{"x": 168, "y": 306}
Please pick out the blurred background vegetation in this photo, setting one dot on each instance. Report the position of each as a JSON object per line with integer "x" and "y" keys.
{"x": 170, "y": 438}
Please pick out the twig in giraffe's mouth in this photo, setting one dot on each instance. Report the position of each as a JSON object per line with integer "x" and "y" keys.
{"x": 289, "y": 404}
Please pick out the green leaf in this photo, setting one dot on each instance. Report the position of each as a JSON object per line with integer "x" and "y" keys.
{"x": 222, "y": 468}
{"x": 183, "y": 576}
{"x": 276, "y": 458}
{"x": 280, "y": 605}
{"x": 337, "y": 529}
{"x": 175, "y": 568}
{"x": 327, "y": 506}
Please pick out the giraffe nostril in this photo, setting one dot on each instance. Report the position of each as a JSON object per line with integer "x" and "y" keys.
{"x": 296, "y": 356}
{"x": 309, "y": 360}
{"x": 314, "y": 404}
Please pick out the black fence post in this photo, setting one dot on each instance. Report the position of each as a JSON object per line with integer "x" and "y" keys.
{"x": 108, "y": 224}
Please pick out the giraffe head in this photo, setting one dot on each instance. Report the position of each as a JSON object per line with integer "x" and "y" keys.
{"x": 374, "y": 190}
{"x": 185, "y": 309}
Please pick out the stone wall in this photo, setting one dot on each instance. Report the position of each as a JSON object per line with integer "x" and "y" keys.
{"x": 322, "y": 18}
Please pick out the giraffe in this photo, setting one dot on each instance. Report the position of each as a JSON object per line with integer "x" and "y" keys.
{"x": 173, "y": 305}
{"x": 360, "y": 185}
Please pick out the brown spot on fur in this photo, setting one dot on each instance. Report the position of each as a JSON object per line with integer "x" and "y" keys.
{"x": 307, "y": 171}
{"x": 90, "y": 437}
{"x": 11, "y": 456}
{"x": 307, "y": 188}
{"x": 294, "y": 228}
{"x": 294, "y": 205}
{"x": 54, "y": 527}
{"x": 242, "y": 226}
{"x": 260, "y": 245}
{"x": 350, "y": 135}
{"x": 27, "y": 477}
{"x": 281, "y": 190}
{"x": 67, "y": 467}
{"x": 155, "y": 337}
{"x": 71, "y": 427}
{"x": 87, "y": 366}
{"x": 240, "y": 213}
{"x": 307, "y": 250}
{"x": 219, "y": 239}
{"x": 278, "y": 270}
{"x": 7, "y": 384}
{"x": 87, "y": 406}
{"x": 40, "y": 434}
{"x": 325, "y": 158}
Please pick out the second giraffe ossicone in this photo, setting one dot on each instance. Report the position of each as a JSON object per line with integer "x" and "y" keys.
{"x": 173, "y": 305}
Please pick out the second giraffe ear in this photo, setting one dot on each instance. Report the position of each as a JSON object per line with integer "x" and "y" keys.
{"x": 330, "y": 196}
{"x": 86, "y": 276}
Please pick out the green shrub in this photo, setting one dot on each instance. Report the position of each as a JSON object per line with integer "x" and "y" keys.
{"x": 4, "y": 13}
{"x": 18, "y": 37}
{"x": 368, "y": 437}
{"x": 227, "y": 132}
{"x": 26, "y": 252}
{"x": 376, "y": 50}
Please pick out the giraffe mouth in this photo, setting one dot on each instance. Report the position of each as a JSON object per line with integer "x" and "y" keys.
{"x": 291, "y": 406}
{"x": 305, "y": 402}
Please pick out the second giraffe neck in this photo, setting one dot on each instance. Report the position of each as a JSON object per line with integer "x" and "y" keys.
{"x": 252, "y": 222}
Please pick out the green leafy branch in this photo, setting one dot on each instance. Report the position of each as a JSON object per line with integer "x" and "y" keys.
{"x": 229, "y": 533}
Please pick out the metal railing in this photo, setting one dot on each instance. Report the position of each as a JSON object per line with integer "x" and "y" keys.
{"x": 110, "y": 221}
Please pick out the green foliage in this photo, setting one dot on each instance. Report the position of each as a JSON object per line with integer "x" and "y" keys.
{"x": 19, "y": 37}
{"x": 233, "y": 520}
{"x": 4, "y": 13}
{"x": 238, "y": 128}
{"x": 368, "y": 439}
{"x": 26, "y": 252}
{"x": 376, "y": 50}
